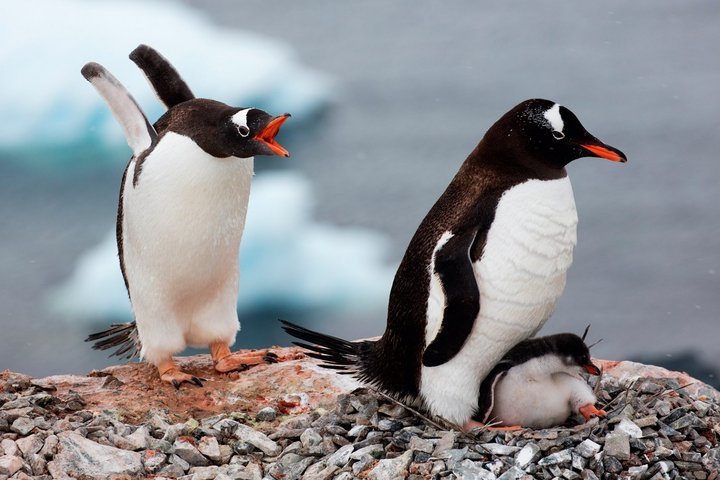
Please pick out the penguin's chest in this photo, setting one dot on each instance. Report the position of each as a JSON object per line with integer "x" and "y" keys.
{"x": 185, "y": 216}
{"x": 527, "y": 253}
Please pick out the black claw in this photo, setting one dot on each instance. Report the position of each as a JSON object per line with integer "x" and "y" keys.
{"x": 175, "y": 384}
{"x": 270, "y": 358}
{"x": 242, "y": 367}
{"x": 197, "y": 381}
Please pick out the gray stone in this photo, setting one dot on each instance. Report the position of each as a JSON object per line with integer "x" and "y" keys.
{"x": 662, "y": 408}
{"x": 389, "y": 425}
{"x": 38, "y": 464}
{"x": 636, "y": 472}
{"x": 682, "y": 422}
{"x": 267, "y": 414}
{"x": 587, "y": 448}
{"x": 310, "y": 438}
{"x": 578, "y": 462}
{"x": 257, "y": 439}
{"x": 391, "y": 469}
{"x": 290, "y": 467}
{"x": 358, "y": 431}
{"x": 376, "y": 451}
{"x": 497, "y": 449}
{"x": 629, "y": 427}
{"x": 421, "y": 444}
{"x": 362, "y": 464}
{"x": 171, "y": 471}
{"x": 180, "y": 462}
{"x": 341, "y": 457}
{"x": 9, "y": 447}
{"x": 345, "y": 476}
{"x": 528, "y": 454}
{"x": 188, "y": 452}
{"x": 648, "y": 421}
{"x": 79, "y": 456}
{"x": 138, "y": 440}
{"x": 320, "y": 471}
{"x": 612, "y": 465}
{"x": 204, "y": 473}
{"x": 454, "y": 456}
{"x": 251, "y": 471}
{"x": 153, "y": 461}
{"x": 588, "y": 475}
{"x": 9, "y": 464}
{"x": 210, "y": 448}
{"x": 569, "y": 474}
{"x": 469, "y": 470}
{"x": 617, "y": 445}
{"x": 22, "y": 425}
{"x": 445, "y": 442}
{"x": 562, "y": 457}
{"x": 513, "y": 473}
{"x": 49, "y": 448}
{"x": 31, "y": 444}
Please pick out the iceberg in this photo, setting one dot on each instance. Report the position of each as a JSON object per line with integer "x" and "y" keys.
{"x": 52, "y": 120}
{"x": 288, "y": 262}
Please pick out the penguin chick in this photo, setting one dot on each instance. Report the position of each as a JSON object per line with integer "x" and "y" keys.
{"x": 181, "y": 216}
{"x": 537, "y": 384}
{"x": 485, "y": 268}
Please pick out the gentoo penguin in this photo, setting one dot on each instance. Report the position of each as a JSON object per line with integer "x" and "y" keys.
{"x": 484, "y": 269}
{"x": 537, "y": 384}
{"x": 181, "y": 216}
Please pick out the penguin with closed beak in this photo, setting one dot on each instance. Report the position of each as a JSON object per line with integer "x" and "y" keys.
{"x": 485, "y": 268}
{"x": 181, "y": 216}
{"x": 537, "y": 384}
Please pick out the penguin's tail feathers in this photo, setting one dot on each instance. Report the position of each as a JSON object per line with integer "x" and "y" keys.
{"x": 336, "y": 353}
{"x": 123, "y": 336}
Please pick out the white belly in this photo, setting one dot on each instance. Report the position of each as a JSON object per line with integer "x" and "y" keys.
{"x": 521, "y": 274}
{"x": 182, "y": 226}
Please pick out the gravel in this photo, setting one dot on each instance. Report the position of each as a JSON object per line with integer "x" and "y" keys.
{"x": 653, "y": 430}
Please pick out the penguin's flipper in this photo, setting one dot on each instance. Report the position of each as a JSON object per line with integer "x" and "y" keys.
{"x": 169, "y": 86}
{"x": 462, "y": 296}
{"x": 139, "y": 134}
{"x": 486, "y": 399}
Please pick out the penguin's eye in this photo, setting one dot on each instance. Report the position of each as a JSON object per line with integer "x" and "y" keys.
{"x": 558, "y": 135}
{"x": 244, "y": 131}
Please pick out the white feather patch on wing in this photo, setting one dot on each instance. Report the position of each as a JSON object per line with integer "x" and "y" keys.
{"x": 138, "y": 131}
{"x": 436, "y": 295}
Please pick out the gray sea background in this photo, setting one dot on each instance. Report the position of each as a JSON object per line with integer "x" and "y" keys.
{"x": 418, "y": 83}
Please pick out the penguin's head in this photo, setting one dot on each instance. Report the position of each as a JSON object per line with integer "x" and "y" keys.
{"x": 224, "y": 131}
{"x": 573, "y": 352}
{"x": 251, "y": 132}
{"x": 552, "y": 134}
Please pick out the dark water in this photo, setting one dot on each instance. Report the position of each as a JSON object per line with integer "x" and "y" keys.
{"x": 419, "y": 83}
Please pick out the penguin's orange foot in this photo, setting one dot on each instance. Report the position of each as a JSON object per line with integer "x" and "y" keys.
{"x": 227, "y": 361}
{"x": 470, "y": 424}
{"x": 589, "y": 411}
{"x": 171, "y": 373}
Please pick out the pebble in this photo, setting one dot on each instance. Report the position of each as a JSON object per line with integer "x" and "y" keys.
{"x": 646, "y": 437}
{"x": 266, "y": 414}
{"x": 617, "y": 445}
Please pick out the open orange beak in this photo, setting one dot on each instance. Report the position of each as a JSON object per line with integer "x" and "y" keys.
{"x": 592, "y": 369}
{"x": 602, "y": 151}
{"x": 267, "y": 135}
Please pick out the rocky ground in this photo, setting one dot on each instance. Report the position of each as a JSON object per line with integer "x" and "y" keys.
{"x": 294, "y": 420}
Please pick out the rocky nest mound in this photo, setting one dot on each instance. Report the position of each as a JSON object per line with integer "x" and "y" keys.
{"x": 657, "y": 427}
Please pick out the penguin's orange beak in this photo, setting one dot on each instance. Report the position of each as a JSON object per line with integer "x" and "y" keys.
{"x": 592, "y": 369}
{"x": 267, "y": 135}
{"x": 605, "y": 151}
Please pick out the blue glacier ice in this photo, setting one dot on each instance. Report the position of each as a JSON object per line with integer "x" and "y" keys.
{"x": 51, "y": 118}
{"x": 287, "y": 261}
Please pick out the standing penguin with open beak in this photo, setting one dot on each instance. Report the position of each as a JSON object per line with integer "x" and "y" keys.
{"x": 483, "y": 271}
{"x": 181, "y": 215}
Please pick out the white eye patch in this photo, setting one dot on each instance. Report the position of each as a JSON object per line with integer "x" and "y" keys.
{"x": 553, "y": 116}
{"x": 240, "y": 120}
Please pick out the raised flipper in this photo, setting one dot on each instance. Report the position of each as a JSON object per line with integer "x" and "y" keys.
{"x": 169, "y": 86}
{"x": 139, "y": 134}
{"x": 462, "y": 298}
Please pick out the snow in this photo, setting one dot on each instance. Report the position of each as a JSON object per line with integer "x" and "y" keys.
{"x": 50, "y": 117}
{"x": 287, "y": 260}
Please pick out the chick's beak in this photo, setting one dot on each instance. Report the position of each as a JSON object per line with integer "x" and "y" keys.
{"x": 267, "y": 135}
{"x": 592, "y": 369}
